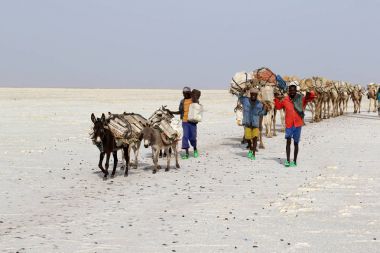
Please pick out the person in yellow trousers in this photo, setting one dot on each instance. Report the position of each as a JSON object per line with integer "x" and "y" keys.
{"x": 253, "y": 109}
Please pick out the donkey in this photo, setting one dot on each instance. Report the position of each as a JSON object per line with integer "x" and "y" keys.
{"x": 154, "y": 138}
{"x": 105, "y": 141}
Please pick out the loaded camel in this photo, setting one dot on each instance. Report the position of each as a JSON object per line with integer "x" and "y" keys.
{"x": 371, "y": 94}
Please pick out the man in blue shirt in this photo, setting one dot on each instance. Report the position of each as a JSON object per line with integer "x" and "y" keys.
{"x": 253, "y": 109}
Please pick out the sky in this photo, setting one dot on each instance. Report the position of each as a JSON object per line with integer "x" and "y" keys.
{"x": 173, "y": 43}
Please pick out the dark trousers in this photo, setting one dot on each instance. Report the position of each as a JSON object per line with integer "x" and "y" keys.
{"x": 189, "y": 135}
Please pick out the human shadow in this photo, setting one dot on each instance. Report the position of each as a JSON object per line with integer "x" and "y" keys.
{"x": 276, "y": 159}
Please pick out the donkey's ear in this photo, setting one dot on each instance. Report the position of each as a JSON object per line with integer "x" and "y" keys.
{"x": 103, "y": 118}
{"x": 93, "y": 118}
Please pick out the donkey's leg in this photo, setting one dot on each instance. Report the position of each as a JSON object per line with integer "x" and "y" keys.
{"x": 156, "y": 152}
{"x": 122, "y": 160}
{"x": 167, "y": 158}
{"x": 100, "y": 165}
{"x": 136, "y": 150}
{"x": 108, "y": 155}
{"x": 114, "y": 154}
{"x": 126, "y": 156}
{"x": 174, "y": 147}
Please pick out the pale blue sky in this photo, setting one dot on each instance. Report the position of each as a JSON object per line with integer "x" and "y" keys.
{"x": 170, "y": 43}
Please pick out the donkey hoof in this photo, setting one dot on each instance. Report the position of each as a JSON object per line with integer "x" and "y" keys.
{"x": 177, "y": 166}
{"x": 154, "y": 171}
{"x": 166, "y": 169}
{"x": 112, "y": 175}
{"x": 159, "y": 167}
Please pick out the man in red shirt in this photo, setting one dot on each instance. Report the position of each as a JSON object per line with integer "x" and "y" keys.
{"x": 294, "y": 105}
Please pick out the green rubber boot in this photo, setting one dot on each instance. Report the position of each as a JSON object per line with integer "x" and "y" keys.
{"x": 196, "y": 155}
{"x": 287, "y": 164}
{"x": 293, "y": 164}
{"x": 185, "y": 157}
{"x": 250, "y": 154}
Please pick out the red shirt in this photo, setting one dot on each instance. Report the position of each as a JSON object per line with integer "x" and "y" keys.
{"x": 292, "y": 118}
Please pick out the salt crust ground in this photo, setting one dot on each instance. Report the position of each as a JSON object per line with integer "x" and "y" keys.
{"x": 53, "y": 198}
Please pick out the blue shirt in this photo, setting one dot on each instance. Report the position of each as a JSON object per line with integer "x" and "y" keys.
{"x": 252, "y": 112}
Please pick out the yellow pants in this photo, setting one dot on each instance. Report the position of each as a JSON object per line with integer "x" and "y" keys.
{"x": 251, "y": 132}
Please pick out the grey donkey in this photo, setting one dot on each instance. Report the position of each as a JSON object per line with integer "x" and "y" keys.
{"x": 154, "y": 138}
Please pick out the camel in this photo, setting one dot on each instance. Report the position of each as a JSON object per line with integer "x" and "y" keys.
{"x": 306, "y": 85}
{"x": 316, "y": 84}
{"x": 371, "y": 94}
{"x": 356, "y": 97}
{"x": 334, "y": 97}
{"x": 343, "y": 97}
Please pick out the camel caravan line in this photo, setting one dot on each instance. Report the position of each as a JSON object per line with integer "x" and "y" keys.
{"x": 162, "y": 131}
{"x": 332, "y": 97}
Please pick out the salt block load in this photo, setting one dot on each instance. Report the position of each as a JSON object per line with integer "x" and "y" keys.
{"x": 162, "y": 119}
{"x": 195, "y": 113}
{"x": 119, "y": 128}
{"x": 137, "y": 123}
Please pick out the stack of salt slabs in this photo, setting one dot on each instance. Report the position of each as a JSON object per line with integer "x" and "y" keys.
{"x": 119, "y": 127}
{"x": 137, "y": 123}
{"x": 161, "y": 119}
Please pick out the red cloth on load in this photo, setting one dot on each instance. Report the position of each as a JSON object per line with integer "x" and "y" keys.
{"x": 265, "y": 74}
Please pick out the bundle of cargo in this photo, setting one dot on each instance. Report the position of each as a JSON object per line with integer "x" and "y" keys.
{"x": 126, "y": 127}
{"x": 137, "y": 123}
{"x": 241, "y": 82}
{"x": 119, "y": 127}
{"x": 265, "y": 77}
{"x": 162, "y": 119}
{"x": 160, "y": 114}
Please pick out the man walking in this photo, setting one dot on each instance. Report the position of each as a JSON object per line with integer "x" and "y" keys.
{"x": 253, "y": 109}
{"x": 294, "y": 105}
{"x": 189, "y": 128}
